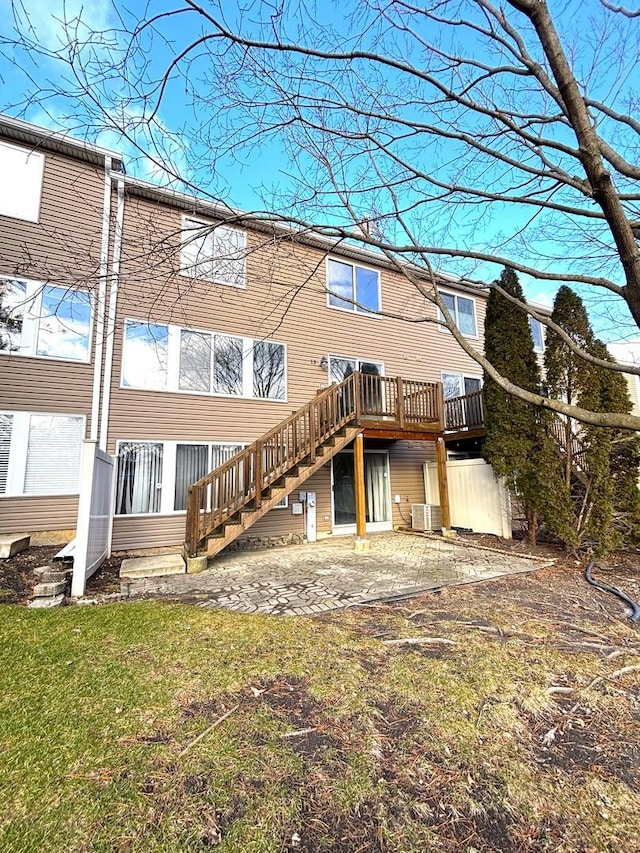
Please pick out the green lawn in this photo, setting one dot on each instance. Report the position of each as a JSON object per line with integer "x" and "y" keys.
{"x": 513, "y": 735}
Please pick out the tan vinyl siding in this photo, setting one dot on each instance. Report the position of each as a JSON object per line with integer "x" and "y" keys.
{"x": 284, "y": 300}
{"x": 406, "y": 460}
{"x": 44, "y": 385}
{"x": 63, "y": 248}
{"x": 31, "y": 514}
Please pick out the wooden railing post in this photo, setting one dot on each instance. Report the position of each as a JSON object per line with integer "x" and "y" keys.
{"x": 443, "y": 488}
{"x": 356, "y": 395}
{"x": 361, "y": 506}
{"x": 400, "y": 401}
{"x": 312, "y": 433}
{"x": 440, "y": 406}
{"x": 258, "y": 474}
{"x": 193, "y": 520}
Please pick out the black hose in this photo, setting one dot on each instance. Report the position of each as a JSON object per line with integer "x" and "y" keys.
{"x": 635, "y": 610}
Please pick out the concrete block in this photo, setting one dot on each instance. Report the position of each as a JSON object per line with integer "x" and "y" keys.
{"x": 362, "y": 544}
{"x": 42, "y": 590}
{"x": 13, "y": 544}
{"x": 45, "y": 603}
{"x": 195, "y": 565}
{"x": 51, "y": 576}
{"x": 157, "y": 565}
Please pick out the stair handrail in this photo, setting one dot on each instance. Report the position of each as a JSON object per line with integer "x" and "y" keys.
{"x": 224, "y": 491}
{"x": 308, "y": 421}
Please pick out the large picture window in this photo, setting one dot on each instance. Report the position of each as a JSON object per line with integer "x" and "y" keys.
{"x": 213, "y": 253}
{"x": 160, "y": 357}
{"x": 41, "y": 320}
{"x": 353, "y": 288}
{"x": 153, "y": 477}
{"x": 40, "y": 453}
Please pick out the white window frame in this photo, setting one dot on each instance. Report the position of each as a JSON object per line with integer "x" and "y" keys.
{"x": 168, "y": 472}
{"x": 34, "y": 291}
{"x": 18, "y": 452}
{"x": 357, "y": 359}
{"x": 533, "y": 320}
{"x": 190, "y": 232}
{"x": 22, "y": 180}
{"x": 173, "y": 363}
{"x": 461, "y": 377}
{"x": 455, "y": 314}
{"x": 353, "y": 308}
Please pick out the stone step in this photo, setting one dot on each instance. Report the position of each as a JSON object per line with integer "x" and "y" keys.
{"x": 48, "y": 590}
{"x": 12, "y": 544}
{"x": 48, "y": 601}
{"x": 148, "y": 567}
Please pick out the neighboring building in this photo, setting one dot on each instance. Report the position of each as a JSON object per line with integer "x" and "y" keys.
{"x": 126, "y": 319}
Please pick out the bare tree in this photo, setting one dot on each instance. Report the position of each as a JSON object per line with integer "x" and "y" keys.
{"x": 453, "y": 131}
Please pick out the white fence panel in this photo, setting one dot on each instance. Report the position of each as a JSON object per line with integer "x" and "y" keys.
{"x": 477, "y": 499}
{"x": 95, "y": 515}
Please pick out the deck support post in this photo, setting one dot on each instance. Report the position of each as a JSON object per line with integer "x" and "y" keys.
{"x": 443, "y": 489}
{"x": 362, "y": 543}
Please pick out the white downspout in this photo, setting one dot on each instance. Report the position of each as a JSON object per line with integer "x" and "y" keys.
{"x": 102, "y": 295}
{"x": 111, "y": 317}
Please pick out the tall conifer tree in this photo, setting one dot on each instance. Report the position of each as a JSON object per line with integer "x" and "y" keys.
{"x": 599, "y": 476}
{"x": 514, "y": 436}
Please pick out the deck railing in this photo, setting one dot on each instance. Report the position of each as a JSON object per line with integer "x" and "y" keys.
{"x": 360, "y": 398}
{"x": 464, "y": 413}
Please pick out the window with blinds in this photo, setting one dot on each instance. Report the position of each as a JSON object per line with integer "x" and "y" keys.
{"x": 53, "y": 455}
{"x": 40, "y": 453}
{"x": 6, "y": 423}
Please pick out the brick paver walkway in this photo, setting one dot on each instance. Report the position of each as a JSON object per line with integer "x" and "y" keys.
{"x": 304, "y": 579}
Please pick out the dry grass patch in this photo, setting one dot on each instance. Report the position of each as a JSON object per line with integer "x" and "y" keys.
{"x": 508, "y": 723}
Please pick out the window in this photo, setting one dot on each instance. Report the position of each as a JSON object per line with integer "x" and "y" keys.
{"x": 213, "y": 253}
{"x": 537, "y": 334}
{"x": 210, "y": 363}
{"x": 153, "y": 476}
{"x": 41, "y": 320}
{"x": 139, "y": 477}
{"x": 353, "y": 288}
{"x": 463, "y": 313}
{"x": 40, "y": 453}
{"x": 340, "y": 368}
{"x": 457, "y": 385}
{"x": 145, "y": 357}
{"x": 21, "y": 172}
{"x": 168, "y": 358}
{"x": 268, "y": 370}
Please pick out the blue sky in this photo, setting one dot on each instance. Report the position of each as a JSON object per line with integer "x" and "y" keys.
{"x": 243, "y": 179}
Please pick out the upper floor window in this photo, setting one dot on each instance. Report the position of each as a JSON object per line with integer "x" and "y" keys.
{"x": 537, "y": 334}
{"x": 43, "y": 320}
{"x": 160, "y": 357}
{"x": 213, "y": 253}
{"x": 353, "y": 288}
{"x": 463, "y": 312}
{"x": 21, "y": 172}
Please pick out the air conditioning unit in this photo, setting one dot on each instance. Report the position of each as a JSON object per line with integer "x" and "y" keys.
{"x": 422, "y": 517}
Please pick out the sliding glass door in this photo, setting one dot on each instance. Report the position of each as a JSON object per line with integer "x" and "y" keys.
{"x": 376, "y": 488}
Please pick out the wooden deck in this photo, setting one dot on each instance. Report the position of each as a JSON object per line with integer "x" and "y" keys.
{"x": 232, "y": 497}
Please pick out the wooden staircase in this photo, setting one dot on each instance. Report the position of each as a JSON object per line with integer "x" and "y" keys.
{"x": 229, "y": 500}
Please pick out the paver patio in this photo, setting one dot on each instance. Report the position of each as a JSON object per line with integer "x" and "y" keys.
{"x": 310, "y": 578}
